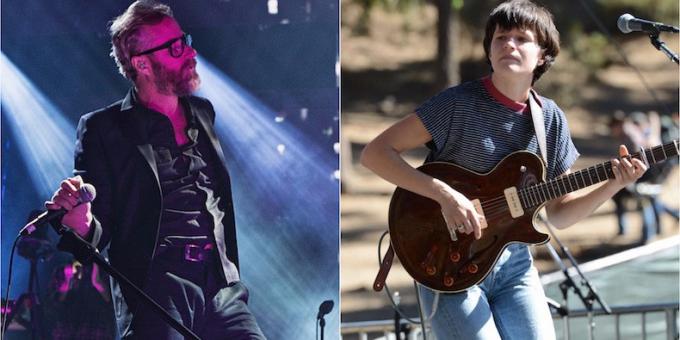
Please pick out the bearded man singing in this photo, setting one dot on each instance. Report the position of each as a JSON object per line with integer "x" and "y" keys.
{"x": 163, "y": 205}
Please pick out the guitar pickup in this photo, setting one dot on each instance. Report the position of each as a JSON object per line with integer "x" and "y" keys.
{"x": 513, "y": 201}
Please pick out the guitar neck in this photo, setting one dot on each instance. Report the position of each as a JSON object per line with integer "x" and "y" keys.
{"x": 540, "y": 193}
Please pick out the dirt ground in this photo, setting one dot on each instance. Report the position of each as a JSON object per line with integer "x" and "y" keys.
{"x": 387, "y": 72}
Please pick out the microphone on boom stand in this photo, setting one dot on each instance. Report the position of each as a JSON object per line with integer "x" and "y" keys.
{"x": 324, "y": 309}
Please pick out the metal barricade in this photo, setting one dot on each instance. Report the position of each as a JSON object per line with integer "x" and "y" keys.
{"x": 384, "y": 329}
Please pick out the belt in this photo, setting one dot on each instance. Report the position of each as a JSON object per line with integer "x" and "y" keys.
{"x": 187, "y": 252}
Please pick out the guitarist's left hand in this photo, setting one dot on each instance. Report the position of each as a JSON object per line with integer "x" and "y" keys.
{"x": 627, "y": 170}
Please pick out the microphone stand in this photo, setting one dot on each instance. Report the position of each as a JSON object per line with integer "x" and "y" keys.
{"x": 661, "y": 46}
{"x": 588, "y": 299}
{"x": 34, "y": 306}
{"x": 397, "y": 317}
{"x": 324, "y": 309}
{"x": 86, "y": 254}
{"x": 322, "y": 324}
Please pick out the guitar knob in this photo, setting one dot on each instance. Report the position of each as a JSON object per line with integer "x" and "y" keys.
{"x": 431, "y": 270}
{"x": 448, "y": 281}
{"x": 472, "y": 268}
{"x": 454, "y": 256}
{"x": 428, "y": 263}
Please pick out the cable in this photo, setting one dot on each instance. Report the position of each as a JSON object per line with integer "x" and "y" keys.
{"x": 423, "y": 320}
{"x": 619, "y": 49}
{"x": 394, "y": 305}
{"x": 9, "y": 281}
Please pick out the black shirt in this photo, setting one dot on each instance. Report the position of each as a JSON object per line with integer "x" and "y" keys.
{"x": 190, "y": 208}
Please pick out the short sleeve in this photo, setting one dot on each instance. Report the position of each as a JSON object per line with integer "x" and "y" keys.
{"x": 565, "y": 153}
{"x": 436, "y": 115}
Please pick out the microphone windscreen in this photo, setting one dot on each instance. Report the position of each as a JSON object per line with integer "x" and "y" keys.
{"x": 325, "y": 308}
{"x": 87, "y": 193}
{"x": 623, "y": 22}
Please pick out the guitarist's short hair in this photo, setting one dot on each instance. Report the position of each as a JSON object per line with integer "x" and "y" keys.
{"x": 524, "y": 14}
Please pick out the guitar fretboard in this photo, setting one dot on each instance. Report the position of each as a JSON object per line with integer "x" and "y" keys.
{"x": 537, "y": 194}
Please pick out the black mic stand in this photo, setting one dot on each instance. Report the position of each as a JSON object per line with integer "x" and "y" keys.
{"x": 397, "y": 316}
{"x": 322, "y": 324}
{"x": 32, "y": 302}
{"x": 34, "y": 249}
{"x": 661, "y": 46}
{"x": 324, "y": 309}
{"x": 86, "y": 254}
{"x": 589, "y": 299}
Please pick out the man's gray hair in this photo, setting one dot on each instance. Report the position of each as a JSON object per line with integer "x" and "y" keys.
{"x": 125, "y": 32}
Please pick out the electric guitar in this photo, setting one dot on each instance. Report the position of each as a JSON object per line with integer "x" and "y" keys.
{"x": 509, "y": 196}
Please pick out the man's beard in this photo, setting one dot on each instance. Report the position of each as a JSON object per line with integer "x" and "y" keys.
{"x": 182, "y": 82}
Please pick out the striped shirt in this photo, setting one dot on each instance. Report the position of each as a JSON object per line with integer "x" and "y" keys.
{"x": 475, "y": 126}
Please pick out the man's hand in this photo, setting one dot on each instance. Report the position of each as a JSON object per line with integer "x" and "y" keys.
{"x": 78, "y": 216}
{"x": 626, "y": 171}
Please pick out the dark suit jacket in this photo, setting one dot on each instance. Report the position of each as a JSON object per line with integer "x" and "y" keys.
{"x": 113, "y": 154}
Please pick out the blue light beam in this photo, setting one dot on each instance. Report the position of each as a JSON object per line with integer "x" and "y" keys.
{"x": 286, "y": 200}
{"x": 43, "y": 135}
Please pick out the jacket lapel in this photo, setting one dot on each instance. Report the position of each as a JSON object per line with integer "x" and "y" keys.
{"x": 134, "y": 128}
{"x": 208, "y": 128}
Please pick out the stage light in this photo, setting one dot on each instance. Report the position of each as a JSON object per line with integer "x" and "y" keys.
{"x": 272, "y": 7}
{"x": 285, "y": 193}
{"x": 281, "y": 149}
{"x": 42, "y": 134}
{"x": 44, "y": 140}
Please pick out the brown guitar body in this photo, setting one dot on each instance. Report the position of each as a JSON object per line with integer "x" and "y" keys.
{"x": 454, "y": 262}
{"x": 422, "y": 241}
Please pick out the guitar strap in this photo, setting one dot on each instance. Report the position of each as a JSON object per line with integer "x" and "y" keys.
{"x": 385, "y": 266}
{"x": 539, "y": 125}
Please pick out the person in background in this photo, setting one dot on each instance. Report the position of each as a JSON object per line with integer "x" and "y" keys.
{"x": 644, "y": 130}
{"x": 78, "y": 301}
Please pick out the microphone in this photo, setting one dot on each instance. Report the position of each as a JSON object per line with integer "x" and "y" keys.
{"x": 87, "y": 194}
{"x": 628, "y": 23}
{"x": 324, "y": 308}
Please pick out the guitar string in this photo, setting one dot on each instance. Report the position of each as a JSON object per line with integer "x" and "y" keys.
{"x": 497, "y": 206}
{"x": 556, "y": 184}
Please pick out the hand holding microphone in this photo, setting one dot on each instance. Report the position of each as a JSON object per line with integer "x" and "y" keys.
{"x": 71, "y": 203}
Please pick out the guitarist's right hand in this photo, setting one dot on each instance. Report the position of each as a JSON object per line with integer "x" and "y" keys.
{"x": 458, "y": 211}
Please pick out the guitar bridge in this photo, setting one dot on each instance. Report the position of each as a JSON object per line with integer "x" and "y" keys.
{"x": 513, "y": 201}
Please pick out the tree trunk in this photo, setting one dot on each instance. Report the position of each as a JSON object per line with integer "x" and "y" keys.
{"x": 447, "y": 35}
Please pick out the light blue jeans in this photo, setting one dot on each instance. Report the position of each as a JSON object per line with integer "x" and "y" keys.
{"x": 509, "y": 304}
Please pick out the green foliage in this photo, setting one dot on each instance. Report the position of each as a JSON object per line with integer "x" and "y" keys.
{"x": 402, "y": 6}
{"x": 591, "y": 49}
{"x": 655, "y": 10}
{"x": 398, "y": 5}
